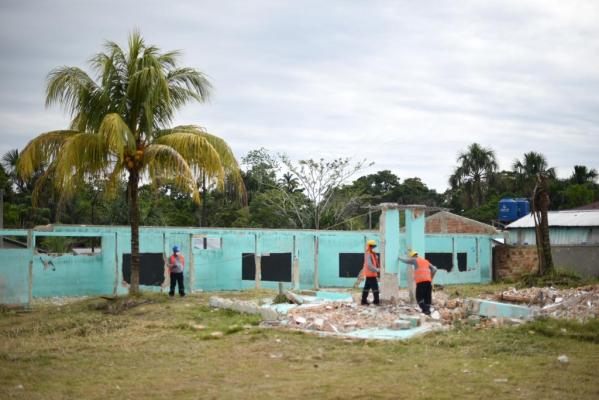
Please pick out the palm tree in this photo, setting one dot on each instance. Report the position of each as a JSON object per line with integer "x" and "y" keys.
{"x": 289, "y": 182}
{"x": 582, "y": 175}
{"x": 119, "y": 129}
{"x": 475, "y": 170}
{"x": 526, "y": 171}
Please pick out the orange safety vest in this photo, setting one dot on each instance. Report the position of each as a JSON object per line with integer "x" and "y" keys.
{"x": 374, "y": 261}
{"x": 423, "y": 271}
{"x": 172, "y": 261}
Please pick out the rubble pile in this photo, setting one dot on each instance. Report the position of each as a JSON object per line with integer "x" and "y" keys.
{"x": 576, "y": 303}
{"x": 342, "y": 317}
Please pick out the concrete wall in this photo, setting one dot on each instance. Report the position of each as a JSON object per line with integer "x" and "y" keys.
{"x": 584, "y": 260}
{"x": 510, "y": 262}
{"x": 25, "y": 274}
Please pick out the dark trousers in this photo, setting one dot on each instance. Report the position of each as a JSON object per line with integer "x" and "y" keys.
{"x": 371, "y": 283}
{"x": 424, "y": 296}
{"x": 177, "y": 279}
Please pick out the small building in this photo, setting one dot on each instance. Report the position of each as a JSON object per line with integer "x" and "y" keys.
{"x": 570, "y": 227}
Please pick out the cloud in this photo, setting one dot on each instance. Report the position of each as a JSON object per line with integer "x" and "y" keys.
{"x": 404, "y": 84}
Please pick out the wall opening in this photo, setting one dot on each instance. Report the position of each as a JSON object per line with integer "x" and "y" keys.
{"x": 75, "y": 245}
{"x": 462, "y": 262}
{"x": 203, "y": 242}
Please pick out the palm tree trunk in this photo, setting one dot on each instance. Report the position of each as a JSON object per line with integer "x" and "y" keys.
{"x": 544, "y": 200}
{"x": 134, "y": 220}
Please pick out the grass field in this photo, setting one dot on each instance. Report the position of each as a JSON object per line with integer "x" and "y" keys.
{"x": 155, "y": 348}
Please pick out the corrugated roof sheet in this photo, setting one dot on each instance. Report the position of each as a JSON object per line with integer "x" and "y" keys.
{"x": 561, "y": 218}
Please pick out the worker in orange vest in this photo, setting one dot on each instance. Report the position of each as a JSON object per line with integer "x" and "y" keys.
{"x": 371, "y": 270}
{"x": 176, "y": 264}
{"x": 424, "y": 272}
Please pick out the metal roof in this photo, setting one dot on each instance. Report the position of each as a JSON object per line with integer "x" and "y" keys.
{"x": 570, "y": 218}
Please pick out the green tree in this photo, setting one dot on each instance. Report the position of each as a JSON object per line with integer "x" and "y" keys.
{"x": 120, "y": 128}
{"x": 582, "y": 175}
{"x": 526, "y": 171}
{"x": 474, "y": 174}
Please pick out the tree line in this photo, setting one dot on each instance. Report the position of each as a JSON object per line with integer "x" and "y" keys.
{"x": 280, "y": 193}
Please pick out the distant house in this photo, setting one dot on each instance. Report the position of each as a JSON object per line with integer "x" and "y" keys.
{"x": 570, "y": 227}
{"x": 446, "y": 222}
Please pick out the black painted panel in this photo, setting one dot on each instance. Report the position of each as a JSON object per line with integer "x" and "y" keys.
{"x": 151, "y": 272}
{"x": 248, "y": 267}
{"x": 350, "y": 264}
{"x": 440, "y": 260}
{"x": 275, "y": 267}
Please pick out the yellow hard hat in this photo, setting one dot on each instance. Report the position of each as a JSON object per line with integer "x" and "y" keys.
{"x": 412, "y": 253}
{"x": 371, "y": 243}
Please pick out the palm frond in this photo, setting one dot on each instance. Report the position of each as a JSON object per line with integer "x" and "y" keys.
{"x": 115, "y": 133}
{"x": 83, "y": 154}
{"x": 41, "y": 150}
{"x": 164, "y": 162}
{"x": 67, "y": 86}
{"x": 197, "y": 150}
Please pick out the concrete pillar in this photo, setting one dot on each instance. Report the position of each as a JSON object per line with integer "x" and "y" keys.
{"x": 414, "y": 241}
{"x": 389, "y": 237}
{"x": 389, "y": 248}
{"x": 415, "y": 230}
{"x": 257, "y": 260}
{"x": 315, "y": 278}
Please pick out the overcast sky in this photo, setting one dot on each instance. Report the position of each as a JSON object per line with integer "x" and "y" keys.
{"x": 406, "y": 84}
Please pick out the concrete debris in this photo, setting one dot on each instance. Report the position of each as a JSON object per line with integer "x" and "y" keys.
{"x": 335, "y": 313}
{"x": 563, "y": 359}
{"x": 576, "y": 303}
{"x": 294, "y": 298}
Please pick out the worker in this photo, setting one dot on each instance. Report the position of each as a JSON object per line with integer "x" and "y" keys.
{"x": 371, "y": 270}
{"x": 424, "y": 272}
{"x": 176, "y": 264}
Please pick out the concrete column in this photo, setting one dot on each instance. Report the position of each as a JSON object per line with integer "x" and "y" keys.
{"x": 315, "y": 279}
{"x": 414, "y": 241}
{"x": 415, "y": 230}
{"x": 389, "y": 248}
{"x": 389, "y": 237}
{"x": 258, "y": 260}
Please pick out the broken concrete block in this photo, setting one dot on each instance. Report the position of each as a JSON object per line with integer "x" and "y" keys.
{"x": 389, "y": 288}
{"x": 413, "y": 319}
{"x": 319, "y": 323}
{"x": 399, "y": 324}
{"x": 268, "y": 314}
{"x": 294, "y": 298}
{"x": 217, "y": 334}
{"x": 300, "y": 320}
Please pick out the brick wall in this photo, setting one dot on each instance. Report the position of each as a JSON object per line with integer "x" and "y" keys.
{"x": 514, "y": 261}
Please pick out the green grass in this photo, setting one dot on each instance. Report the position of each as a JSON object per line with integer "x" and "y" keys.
{"x": 153, "y": 347}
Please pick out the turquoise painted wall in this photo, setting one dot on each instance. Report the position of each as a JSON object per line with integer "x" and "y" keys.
{"x": 210, "y": 269}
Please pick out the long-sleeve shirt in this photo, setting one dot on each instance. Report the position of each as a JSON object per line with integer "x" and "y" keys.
{"x": 412, "y": 261}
